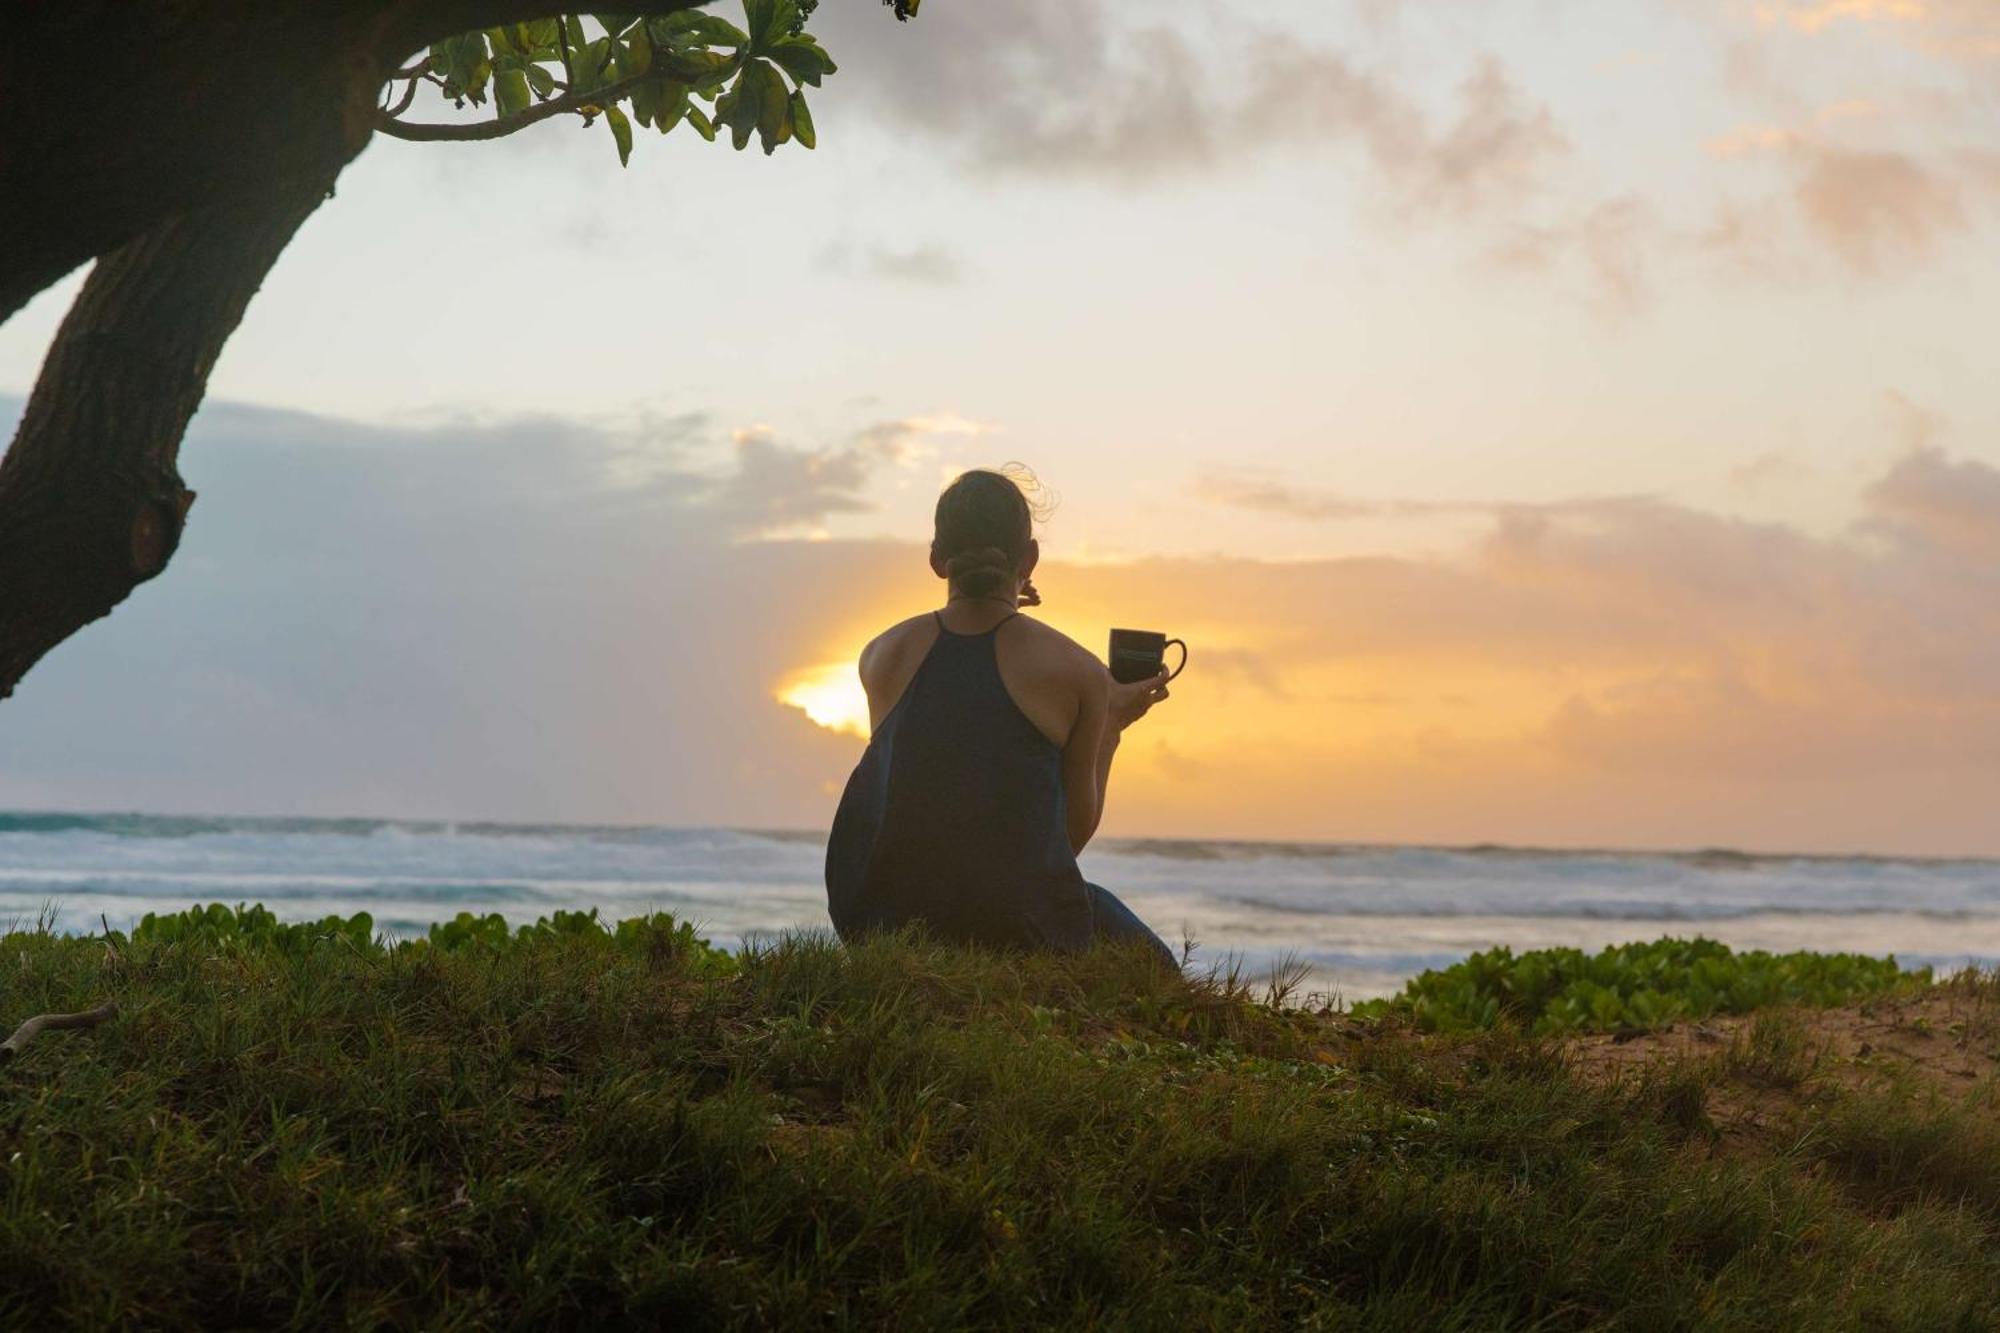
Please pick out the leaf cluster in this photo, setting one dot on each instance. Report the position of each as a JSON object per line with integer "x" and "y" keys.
{"x": 1631, "y": 987}
{"x": 217, "y": 928}
{"x": 686, "y": 67}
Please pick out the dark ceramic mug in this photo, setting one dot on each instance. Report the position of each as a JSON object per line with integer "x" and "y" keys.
{"x": 1138, "y": 654}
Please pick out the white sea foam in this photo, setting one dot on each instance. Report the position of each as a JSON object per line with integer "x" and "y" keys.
{"x": 1362, "y": 918}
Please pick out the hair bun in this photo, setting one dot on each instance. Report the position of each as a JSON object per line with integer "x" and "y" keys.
{"x": 981, "y": 571}
{"x": 986, "y": 557}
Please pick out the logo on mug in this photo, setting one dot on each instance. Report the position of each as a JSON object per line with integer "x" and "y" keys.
{"x": 1138, "y": 654}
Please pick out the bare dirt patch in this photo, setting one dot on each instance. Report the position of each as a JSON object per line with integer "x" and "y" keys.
{"x": 1947, "y": 1036}
{"x": 1757, "y": 1074}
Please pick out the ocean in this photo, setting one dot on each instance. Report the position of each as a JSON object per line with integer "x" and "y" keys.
{"x": 1363, "y": 919}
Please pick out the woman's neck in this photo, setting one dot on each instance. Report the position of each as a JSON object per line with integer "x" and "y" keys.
{"x": 966, "y": 608}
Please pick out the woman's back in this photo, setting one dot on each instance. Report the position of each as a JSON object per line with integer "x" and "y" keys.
{"x": 956, "y": 814}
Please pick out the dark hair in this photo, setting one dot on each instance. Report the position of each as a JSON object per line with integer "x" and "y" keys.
{"x": 983, "y": 526}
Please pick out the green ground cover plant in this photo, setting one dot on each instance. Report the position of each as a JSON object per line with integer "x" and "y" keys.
{"x": 1632, "y": 987}
{"x": 584, "y": 1126}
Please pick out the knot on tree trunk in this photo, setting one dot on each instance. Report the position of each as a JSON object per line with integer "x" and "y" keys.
{"x": 156, "y": 529}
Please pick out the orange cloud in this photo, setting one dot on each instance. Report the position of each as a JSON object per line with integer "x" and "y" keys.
{"x": 1817, "y": 15}
{"x": 1962, "y": 29}
{"x": 1611, "y": 671}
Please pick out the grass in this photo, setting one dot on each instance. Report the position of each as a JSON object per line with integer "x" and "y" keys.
{"x": 564, "y": 1127}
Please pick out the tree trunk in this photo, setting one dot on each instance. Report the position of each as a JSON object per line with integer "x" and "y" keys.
{"x": 91, "y": 503}
{"x": 181, "y": 145}
{"x": 116, "y": 115}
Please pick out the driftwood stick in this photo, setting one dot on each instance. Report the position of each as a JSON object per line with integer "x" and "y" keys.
{"x": 41, "y": 1023}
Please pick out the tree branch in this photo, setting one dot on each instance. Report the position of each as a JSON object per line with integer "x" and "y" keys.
{"x": 409, "y": 95}
{"x": 501, "y": 127}
{"x": 562, "y": 45}
{"x": 81, "y": 175}
{"x": 41, "y": 1023}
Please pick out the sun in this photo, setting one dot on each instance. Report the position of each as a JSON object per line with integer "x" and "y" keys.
{"x": 830, "y": 695}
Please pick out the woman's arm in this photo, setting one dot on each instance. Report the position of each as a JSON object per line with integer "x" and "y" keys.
{"x": 1121, "y": 706}
{"x": 1083, "y": 763}
{"x": 1106, "y": 749}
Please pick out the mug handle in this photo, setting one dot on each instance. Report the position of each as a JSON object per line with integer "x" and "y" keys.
{"x": 1163, "y": 654}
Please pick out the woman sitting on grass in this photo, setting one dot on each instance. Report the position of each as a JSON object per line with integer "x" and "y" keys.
{"x": 992, "y": 740}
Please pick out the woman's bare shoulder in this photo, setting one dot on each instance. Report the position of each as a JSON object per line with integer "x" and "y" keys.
{"x": 1055, "y": 646}
{"x": 886, "y": 648}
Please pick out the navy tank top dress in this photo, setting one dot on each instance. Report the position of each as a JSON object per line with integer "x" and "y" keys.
{"x": 955, "y": 816}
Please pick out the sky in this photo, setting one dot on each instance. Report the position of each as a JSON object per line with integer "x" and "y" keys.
{"x": 1549, "y": 424}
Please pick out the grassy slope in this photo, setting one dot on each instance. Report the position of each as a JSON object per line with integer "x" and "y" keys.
{"x": 569, "y": 1132}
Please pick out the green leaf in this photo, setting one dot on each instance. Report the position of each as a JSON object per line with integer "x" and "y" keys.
{"x": 802, "y": 121}
{"x": 636, "y": 57}
{"x": 740, "y": 107}
{"x": 702, "y": 124}
{"x": 510, "y": 92}
{"x": 589, "y": 65}
{"x": 645, "y": 102}
{"x": 671, "y": 105}
{"x": 709, "y": 30}
{"x": 463, "y": 62}
{"x": 540, "y": 80}
{"x": 621, "y": 130}
{"x": 758, "y": 17}
{"x": 697, "y": 67}
{"x": 803, "y": 59}
{"x": 773, "y": 122}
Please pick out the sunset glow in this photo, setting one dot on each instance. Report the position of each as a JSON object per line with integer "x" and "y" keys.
{"x": 831, "y": 695}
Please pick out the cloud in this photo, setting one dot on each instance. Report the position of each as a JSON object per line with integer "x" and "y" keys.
{"x": 1963, "y": 29}
{"x": 903, "y": 439}
{"x": 1929, "y": 500}
{"x": 1266, "y": 493}
{"x": 1876, "y": 208}
{"x": 1676, "y": 655}
{"x": 1748, "y": 140}
{"x": 1497, "y": 149}
{"x": 1079, "y": 90}
{"x": 773, "y": 489}
{"x": 1770, "y": 469}
{"x": 1062, "y": 89}
{"x": 1812, "y": 16}
{"x": 1612, "y": 242}
{"x": 1883, "y": 182}
{"x": 927, "y": 265}
{"x": 507, "y": 617}
{"x": 1628, "y": 671}
{"x": 1040, "y": 86}
{"x": 512, "y": 621}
